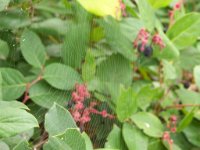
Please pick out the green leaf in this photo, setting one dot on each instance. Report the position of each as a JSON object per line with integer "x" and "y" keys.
{"x": 54, "y": 143}
{"x": 88, "y": 142}
{"x": 61, "y": 76}
{"x": 115, "y": 139}
{"x": 14, "y": 121}
{"x": 74, "y": 139}
{"x": 116, "y": 38}
{"x": 75, "y": 44}
{"x": 146, "y": 14}
{"x": 186, "y": 120}
{"x": 58, "y": 120}
{"x": 159, "y": 3}
{"x": 149, "y": 123}
{"x": 192, "y": 136}
{"x": 4, "y": 4}
{"x": 23, "y": 145}
{"x": 155, "y": 144}
{"x": 197, "y": 76}
{"x": 102, "y": 7}
{"x": 4, "y": 146}
{"x": 115, "y": 69}
{"x": 13, "y": 84}
{"x": 134, "y": 138}
{"x": 45, "y": 96}
{"x": 32, "y": 49}
{"x": 12, "y": 104}
{"x": 126, "y": 104}
{"x": 4, "y": 49}
{"x": 89, "y": 67}
{"x": 169, "y": 70}
{"x": 185, "y": 30}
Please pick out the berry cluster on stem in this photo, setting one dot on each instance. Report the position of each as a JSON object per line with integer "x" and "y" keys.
{"x": 79, "y": 111}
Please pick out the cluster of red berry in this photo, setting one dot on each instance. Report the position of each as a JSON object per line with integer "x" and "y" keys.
{"x": 172, "y": 127}
{"x": 79, "y": 111}
{"x": 142, "y": 40}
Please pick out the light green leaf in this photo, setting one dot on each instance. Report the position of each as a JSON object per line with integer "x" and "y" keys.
{"x": 58, "y": 120}
{"x": 134, "y": 138}
{"x": 61, "y": 76}
{"x": 159, "y": 3}
{"x": 149, "y": 123}
{"x": 126, "y": 104}
{"x": 113, "y": 34}
{"x": 45, "y": 96}
{"x": 102, "y": 7}
{"x": 88, "y": 142}
{"x": 4, "y": 146}
{"x": 4, "y": 49}
{"x": 4, "y": 4}
{"x": 89, "y": 67}
{"x": 115, "y": 139}
{"x": 147, "y": 14}
{"x": 55, "y": 143}
{"x": 186, "y": 120}
{"x": 74, "y": 139}
{"x": 185, "y": 30}
{"x": 169, "y": 70}
{"x": 75, "y": 44}
{"x": 115, "y": 69}
{"x": 13, "y": 84}
{"x": 23, "y": 145}
{"x": 14, "y": 121}
{"x": 32, "y": 49}
{"x": 12, "y": 104}
{"x": 192, "y": 136}
{"x": 197, "y": 76}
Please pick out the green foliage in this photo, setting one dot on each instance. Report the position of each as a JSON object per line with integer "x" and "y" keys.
{"x": 48, "y": 48}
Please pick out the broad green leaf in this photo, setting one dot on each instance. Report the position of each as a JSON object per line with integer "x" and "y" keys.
{"x": 185, "y": 30}
{"x": 116, "y": 38}
{"x": 102, "y": 7}
{"x": 23, "y": 145}
{"x": 14, "y": 121}
{"x": 186, "y": 120}
{"x": 14, "y": 19}
{"x": 146, "y": 14}
{"x": 4, "y": 146}
{"x": 61, "y": 76}
{"x": 32, "y": 49}
{"x": 88, "y": 142}
{"x": 4, "y": 4}
{"x": 126, "y": 104}
{"x": 170, "y": 52}
{"x": 89, "y": 67}
{"x": 155, "y": 144}
{"x": 115, "y": 69}
{"x": 134, "y": 138}
{"x": 4, "y": 49}
{"x": 159, "y": 3}
{"x": 115, "y": 139}
{"x": 54, "y": 26}
{"x": 75, "y": 44}
{"x": 55, "y": 143}
{"x": 13, "y": 84}
{"x": 58, "y": 119}
{"x": 45, "y": 96}
{"x": 169, "y": 70}
{"x": 197, "y": 75}
{"x": 12, "y": 104}
{"x": 74, "y": 139}
{"x": 192, "y": 136}
{"x": 149, "y": 123}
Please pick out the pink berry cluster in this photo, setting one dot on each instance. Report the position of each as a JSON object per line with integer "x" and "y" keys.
{"x": 176, "y": 7}
{"x": 172, "y": 127}
{"x": 143, "y": 39}
{"x": 79, "y": 111}
{"x": 121, "y": 9}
